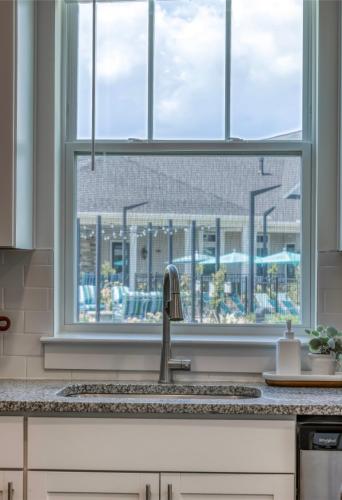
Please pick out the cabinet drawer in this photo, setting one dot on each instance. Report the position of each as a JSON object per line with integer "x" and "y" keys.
{"x": 48, "y": 485}
{"x": 11, "y": 442}
{"x": 161, "y": 445}
{"x": 233, "y": 486}
{"x": 11, "y": 481}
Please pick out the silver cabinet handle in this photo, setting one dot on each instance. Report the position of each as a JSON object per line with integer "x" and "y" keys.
{"x": 169, "y": 492}
{"x": 148, "y": 495}
{"x": 10, "y": 491}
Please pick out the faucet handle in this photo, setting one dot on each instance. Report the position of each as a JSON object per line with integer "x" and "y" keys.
{"x": 180, "y": 364}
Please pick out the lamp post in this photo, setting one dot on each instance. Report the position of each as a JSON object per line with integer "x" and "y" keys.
{"x": 170, "y": 242}
{"x": 265, "y": 240}
{"x": 218, "y": 244}
{"x": 124, "y": 239}
{"x": 252, "y": 196}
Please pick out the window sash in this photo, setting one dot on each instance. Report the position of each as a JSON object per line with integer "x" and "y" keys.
{"x": 68, "y": 296}
{"x": 71, "y": 23}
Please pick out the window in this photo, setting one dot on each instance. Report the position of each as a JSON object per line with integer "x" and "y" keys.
{"x": 187, "y": 142}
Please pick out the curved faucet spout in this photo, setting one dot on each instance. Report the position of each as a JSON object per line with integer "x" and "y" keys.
{"x": 172, "y": 311}
{"x": 172, "y": 303}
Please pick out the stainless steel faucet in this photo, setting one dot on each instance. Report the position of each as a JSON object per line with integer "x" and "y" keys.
{"x": 172, "y": 311}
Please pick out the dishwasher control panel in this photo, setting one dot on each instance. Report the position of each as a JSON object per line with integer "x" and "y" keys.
{"x": 320, "y": 459}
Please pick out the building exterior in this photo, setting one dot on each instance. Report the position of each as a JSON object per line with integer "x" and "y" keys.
{"x": 185, "y": 188}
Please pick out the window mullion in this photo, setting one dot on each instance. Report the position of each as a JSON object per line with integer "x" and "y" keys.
{"x": 151, "y": 16}
{"x": 72, "y": 63}
{"x": 228, "y": 66}
{"x": 93, "y": 88}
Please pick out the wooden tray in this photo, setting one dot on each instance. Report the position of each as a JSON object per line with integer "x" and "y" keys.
{"x": 305, "y": 379}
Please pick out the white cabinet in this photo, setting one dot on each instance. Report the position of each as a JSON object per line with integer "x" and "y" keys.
{"x": 11, "y": 442}
{"x": 50, "y": 485}
{"x": 163, "y": 445}
{"x": 180, "y": 459}
{"x": 11, "y": 457}
{"x": 16, "y": 123}
{"x": 93, "y": 486}
{"x": 227, "y": 486}
{"x": 11, "y": 485}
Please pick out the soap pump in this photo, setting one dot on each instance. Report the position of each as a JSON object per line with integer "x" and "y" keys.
{"x": 288, "y": 355}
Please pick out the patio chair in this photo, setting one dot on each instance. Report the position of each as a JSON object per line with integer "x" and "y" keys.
{"x": 118, "y": 293}
{"x": 264, "y": 303}
{"x": 87, "y": 298}
{"x": 288, "y": 304}
{"x": 139, "y": 304}
{"x": 237, "y": 301}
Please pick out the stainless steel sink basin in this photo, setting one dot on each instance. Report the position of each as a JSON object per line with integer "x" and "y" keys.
{"x": 159, "y": 392}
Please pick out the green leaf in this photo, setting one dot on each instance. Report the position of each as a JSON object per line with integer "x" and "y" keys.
{"x": 331, "y": 331}
{"x": 320, "y": 328}
{"x": 314, "y": 333}
{"x": 331, "y": 344}
{"x": 315, "y": 344}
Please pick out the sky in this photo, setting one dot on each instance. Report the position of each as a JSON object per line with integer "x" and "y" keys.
{"x": 189, "y": 69}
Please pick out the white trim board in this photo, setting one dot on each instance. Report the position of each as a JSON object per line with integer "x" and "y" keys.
{"x": 236, "y": 356}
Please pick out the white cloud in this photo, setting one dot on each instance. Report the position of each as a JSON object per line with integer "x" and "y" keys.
{"x": 121, "y": 38}
{"x": 189, "y": 63}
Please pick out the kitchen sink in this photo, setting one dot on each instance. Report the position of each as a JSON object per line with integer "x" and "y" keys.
{"x": 158, "y": 391}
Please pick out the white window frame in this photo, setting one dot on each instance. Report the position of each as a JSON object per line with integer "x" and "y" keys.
{"x": 66, "y": 286}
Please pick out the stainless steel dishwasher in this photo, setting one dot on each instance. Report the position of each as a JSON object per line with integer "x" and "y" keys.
{"x": 320, "y": 458}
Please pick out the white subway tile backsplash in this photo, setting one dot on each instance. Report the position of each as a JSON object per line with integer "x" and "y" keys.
{"x": 26, "y": 296}
{"x": 13, "y": 367}
{"x": 17, "y": 320}
{"x": 35, "y": 369}
{"x": 42, "y": 257}
{"x": 35, "y": 299}
{"x": 332, "y": 319}
{"x": 11, "y": 277}
{"x": 38, "y": 276}
{"x": 38, "y": 322}
{"x": 50, "y": 299}
{"x": 332, "y": 301}
{"x": 17, "y": 257}
{"x": 329, "y": 259}
{"x": 330, "y": 277}
{"x": 22, "y": 344}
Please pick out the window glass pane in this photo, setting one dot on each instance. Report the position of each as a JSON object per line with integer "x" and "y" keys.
{"x": 121, "y": 70}
{"x": 189, "y": 69}
{"x": 266, "y": 69}
{"x": 198, "y": 206}
{"x": 84, "y": 69}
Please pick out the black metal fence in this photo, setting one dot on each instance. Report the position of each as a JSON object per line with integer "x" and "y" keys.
{"x": 274, "y": 293}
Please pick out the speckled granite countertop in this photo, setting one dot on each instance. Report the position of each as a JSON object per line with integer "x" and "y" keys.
{"x": 48, "y": 397}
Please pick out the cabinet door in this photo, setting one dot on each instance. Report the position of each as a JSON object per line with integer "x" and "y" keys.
{"x": 11, "y": 485}
{"x": 227, "y": 487}
{"x": 92, "y": 486}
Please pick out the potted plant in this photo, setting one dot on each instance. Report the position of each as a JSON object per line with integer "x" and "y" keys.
{"x": 325, "y": 347}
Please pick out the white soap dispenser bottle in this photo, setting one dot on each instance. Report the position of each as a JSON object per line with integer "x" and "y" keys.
{"x": 288, "y": 356}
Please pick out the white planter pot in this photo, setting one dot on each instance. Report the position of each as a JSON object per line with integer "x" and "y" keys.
{"x": 322, "y": 364}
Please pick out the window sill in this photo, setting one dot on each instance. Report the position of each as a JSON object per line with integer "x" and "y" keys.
{"x": 133, "y": 352}
{"x": 177, "y": 339}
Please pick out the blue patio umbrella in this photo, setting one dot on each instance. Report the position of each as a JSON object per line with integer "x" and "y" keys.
{"x": 231, "y": 258}
{"x": 283, "y": 257}
{"x": 187, "y": 259}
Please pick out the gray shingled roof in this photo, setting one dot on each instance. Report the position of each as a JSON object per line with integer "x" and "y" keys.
{"x": 211, "y": 185}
